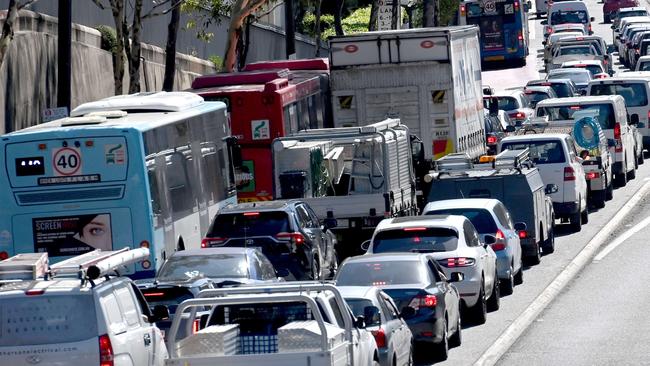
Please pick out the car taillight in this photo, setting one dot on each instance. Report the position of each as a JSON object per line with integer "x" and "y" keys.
{"x": 646, "y": 126}
{"x": 499, "y": 235}
{"x": 569, "y": 174}
{"x": 463, "y": 10}
{"x": 195, "y": 326}
{"x": 617, "y": 131}
{"x": 523, "y": 234}
{"x": 592, "y": 175}
{"x": 517, "y": 115}
{"x": 589, "y": 28}
{"x": 457, "y": 262}
{"x": 380, "y": 337}
{"x": 498, "y": 246}
{"x": 4, "y": 255}
{"x": 520, "y": 37}
{"x": 105, "y": 351}
{"x": 208, "y": 242}
{"x": 423, "y": 301}
{"x": 34, "y": 292}
{"x": 500, "y": 243}
{"x": 294, "y": 238}
{"x": 153, "y": 294}
{"x": 492, "y": 139}
{"x": 601, "y": 76}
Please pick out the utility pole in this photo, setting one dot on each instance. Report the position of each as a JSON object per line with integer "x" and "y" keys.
{"x": 64, "y": 78}
{"x": 289, "y": 29}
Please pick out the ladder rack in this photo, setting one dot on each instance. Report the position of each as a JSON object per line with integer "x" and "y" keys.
{"x": 28, "y": 266}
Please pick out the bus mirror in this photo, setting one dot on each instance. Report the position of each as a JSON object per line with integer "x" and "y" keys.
{"x": 235, "y": 152}
{"x": 494, "y": 106}
{"x": 528, "y": 6}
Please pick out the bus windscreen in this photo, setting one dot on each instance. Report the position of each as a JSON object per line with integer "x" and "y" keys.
{"x": 491, "y": 20}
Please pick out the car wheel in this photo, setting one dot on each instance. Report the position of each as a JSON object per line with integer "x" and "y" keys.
{"x": 456, "y": 339}
{"x": 576, "y": 221}
{"x": 636, "y": 161}
{"x": 549, "y": 244}
{"x": 519, "y": 276}
{"x": 621, "y": 178}
{"x": 508, "y": 285}
{"x": 599, "y": 198}
{"x": 479, "y": 310}
{"x": 315, "y": 269}
{"x": 584, "y": 215}
{"x": 334, "y": 266}
{"x": 442, "y": 349}
{"x": 494, "y": 302}
{"x": 536, "y": 257}
{"x": 631, "y": 174}
{"x": 609, "y": 192}
{"x": 641, "y": 159}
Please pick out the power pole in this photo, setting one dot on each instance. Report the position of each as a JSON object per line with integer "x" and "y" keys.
{"x": 63, "y": 96}
{"x": 289, "y": 29}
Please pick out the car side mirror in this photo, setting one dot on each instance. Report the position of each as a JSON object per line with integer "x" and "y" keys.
{"x": 365, "y": 245}
{"x": 456, "y": 277}
{"x": 360, "y": 322}
{"x": 407, "y": 312}
{"x": 520, "y": 226}
{"x": 592, "y": 19}
{"x": 544, "y": 43}
{"x": 371, "y": 315}
{"x": 634, "y": 119}
{"x": 544, "y": 22}
{"x": 551, "y": 188}
{"x": 282, "y": 272}
{"x": 329, "y": 223}
{"x": 579, "y": 160}
{"x": 490, "y": 239}
{"x": 510, "y": 129}
{"x": 583, "y": 92}
{"x": 159, "y": 312}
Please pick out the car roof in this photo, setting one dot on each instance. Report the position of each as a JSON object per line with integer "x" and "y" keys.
{"x": 364, "y": 292}
{"x": 539, "y": 88}
{"x": 450, "y": 221}
{"x": 214, "y": 251}
{"x": 568, "y": 71}
{"x": 556, "y": 81}
{"x": 56, "y": 286}
{"x": 508, "y": 93}
{"x": 633, "y": 8}
{"x": 578, "y": 100}
{"x": 387, "y": 257}
{"x": 258, "y": 206}
{"x": 463, "y": 203}
{"x": 537, "y": 136}
{"x": 641, "y": 75}
{"x": 581, "y": 62}
{"x": 643, "y": 58}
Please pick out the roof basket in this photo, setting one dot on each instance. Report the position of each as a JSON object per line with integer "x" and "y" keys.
{"x": 28, "y": 266}
{"x": 97, "y": 263}
{"x": 455, "y": 161}
{"x": 512, "y": 159}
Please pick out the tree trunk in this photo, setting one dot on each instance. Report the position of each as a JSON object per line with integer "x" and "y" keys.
{"x": 338, "y": 16}
{"x": 374, "y": 12}
{"x": 239, "y": 11}
{"x": 134, "y": 54}
{"x": 395, "y": 18}
{"x": 246, "y": 41}
{"x": 117, "y": 8}
{"x": 8, "y": 29}
{"x": 170, "y": 48}
{"x": 318, "y": 31}
{"x": 428, "y": 13}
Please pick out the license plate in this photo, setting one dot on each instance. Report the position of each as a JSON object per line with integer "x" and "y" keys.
{"x": 495, "y": 58}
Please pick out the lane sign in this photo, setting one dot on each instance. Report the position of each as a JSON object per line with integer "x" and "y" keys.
{"x": 66, "y": 161}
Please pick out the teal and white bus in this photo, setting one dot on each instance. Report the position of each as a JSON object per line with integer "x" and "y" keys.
{"x": 142, "y": 170}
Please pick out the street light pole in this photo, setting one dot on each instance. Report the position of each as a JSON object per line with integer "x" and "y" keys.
{"x": 289, "y": 29}
{"x": 63, "y": 96}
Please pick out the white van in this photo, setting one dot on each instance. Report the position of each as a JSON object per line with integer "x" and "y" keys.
{"x": 613, "y": 119}
{"x": 634, "y": 87}
{"x": 79, "y": 316}
{"x": 569, "y": 12}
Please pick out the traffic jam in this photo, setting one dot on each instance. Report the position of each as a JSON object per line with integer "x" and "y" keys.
{"x": 364, "y": 209}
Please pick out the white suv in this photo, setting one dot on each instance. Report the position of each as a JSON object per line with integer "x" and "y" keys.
{"x": 455, "y": 244}
{"x": 63, "y": 320}
{"x": 556, "y": 158}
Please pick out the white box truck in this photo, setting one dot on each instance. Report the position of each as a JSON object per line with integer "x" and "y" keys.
{"x": 429, "y": 78}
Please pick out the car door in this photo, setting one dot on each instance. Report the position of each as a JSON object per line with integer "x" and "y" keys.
{"x": 485, "y": 254}
{"x": 451, "y": 293}
{"x": 505, "y": 220}
{"x": 327, "y": 244}
{"x": 581, "y": 179}
{"x": 136, "y": 339}
{"x": 400, "y": 333}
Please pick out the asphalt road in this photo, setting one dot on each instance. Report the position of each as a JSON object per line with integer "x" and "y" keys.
{"x": 601, "y": 318}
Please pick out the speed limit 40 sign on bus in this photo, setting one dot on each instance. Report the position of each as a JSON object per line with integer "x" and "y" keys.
{"x": 66, "y": 161}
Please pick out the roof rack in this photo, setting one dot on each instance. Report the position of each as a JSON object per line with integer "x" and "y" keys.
{"x": 28, "y": 266}
{"x": 512, "y": 159}
{"x": 455, "y": 161}
{"x": 98, "y": 263}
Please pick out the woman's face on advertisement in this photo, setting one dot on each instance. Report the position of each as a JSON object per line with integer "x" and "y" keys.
{"x": 97, "y": 233}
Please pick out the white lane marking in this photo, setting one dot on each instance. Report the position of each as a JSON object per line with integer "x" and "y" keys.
{"x": 492, "y": 355}
{"x": 621, "y": 239}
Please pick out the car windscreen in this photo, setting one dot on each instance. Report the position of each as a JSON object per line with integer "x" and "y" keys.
{"x": 358, "y": 305}
{"x": 46, "y": 319}
{"x": 644, "y": 66}
{"x": 380, "y": 273}
{"x": 634, "y": 93}
{"x": 415, "y": 239}
{"x": 185, "y": 267}
{"x": 507, "y": 103}
{"x": 535, "y": 97}
{"x": 541, "y": 152}
{"x": 569, "y": 16}
{"x": 562, "y": 90}
{"x": 576, "y": 77}
{"x": 480, "y": 218}
{"x": 249, "y": 224}
{"x": 606, "y": 115}
{"x": 577, "y": 50}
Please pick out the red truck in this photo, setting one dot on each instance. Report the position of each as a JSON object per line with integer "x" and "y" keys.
{"x": 611, "y": 6}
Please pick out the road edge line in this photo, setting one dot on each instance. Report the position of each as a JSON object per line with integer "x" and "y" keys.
{"x": 492, "y": 355}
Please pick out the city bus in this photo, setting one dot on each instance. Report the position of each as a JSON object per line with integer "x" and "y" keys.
{"x": 268, "y": 100}
{"x": 503, "y": 26}
{"x": 143, "y": 170}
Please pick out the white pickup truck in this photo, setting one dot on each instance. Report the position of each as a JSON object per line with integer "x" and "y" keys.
{"x": 298, "y": 323}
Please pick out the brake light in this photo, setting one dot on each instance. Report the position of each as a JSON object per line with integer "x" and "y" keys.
{"x": 105, "y": 351}
{"x": 498, "y": 246}
{"x": 648, "y": 118}
{"x": 499, "y": 235}
{"x": 523, "y": 234}
{"x": 569, "y": 174}
{"x": 457, "y": 262}
{"x": 34, "y": 292}
{"x": 195, "y": 326}
{"x": 589, "y": 28}
{"x": 208, "y": 242}
{"x": 492, "y": 139}
{"x": 463, "y": 10}
{"x": 380, "y": 337}
{"x": 518, "y": 115}
{"x": 601, "y": 76}
{"x": 520, "y": 36}
{"x": 592, "y": 175}
{"x": 423, "y": 301}
{"x": 249, "y": 214}
{"x": 575, "y": 108}
{"x": 415, "y": 229}
{"x": 617, "y": 131}
{"x": 153, "y": 294}
{"x": 294, "y": 238}
{"x": 4, "y": 255}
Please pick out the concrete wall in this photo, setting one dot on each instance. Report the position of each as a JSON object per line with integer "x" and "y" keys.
{"x": 28, "y": 76}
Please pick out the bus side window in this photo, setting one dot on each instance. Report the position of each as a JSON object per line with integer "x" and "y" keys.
{"x": 290, "y": 119}
{"x": 176, "y": 171}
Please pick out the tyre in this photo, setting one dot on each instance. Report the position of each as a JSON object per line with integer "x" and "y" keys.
{"x": 631, "y": 174}
{"x": 584, "y": 216}
{"x": 641, "y": 159}
{"x": 508, "y": 284}
{"x": 456, "y": 339}
{"x": 549, "y": 244}
{"x": 494, "y": 302}
{"x": 534, "y": 258}
{"x": 334, "y": 266}
{"x": 609, "y": 192}
{"x": 315, "y": 269}
{"x": 576, "y": 221}
{"x": 519, "y": 276}
{"x": 621, "y": 178}
{"x": 636, "y": 161}
{"x": 441, "y": 350}
{"x": 410, "y": 360}
{"x": 599, "y": 198}
{"x": 607, "y": 19}
{"x": 479, "y": 310}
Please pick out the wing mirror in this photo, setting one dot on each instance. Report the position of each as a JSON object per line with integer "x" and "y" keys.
{"x": 407, "y": 312}
{"x": 159, "y": 312}
{"x": 592, "y": 19}
{"x": 490, "y": 239}
{"x": 551, "y": 188}
{"x": 519, "y": 226}
{"x": 634, "y": 119}
{"x": 360, "y": 322}
{"x": 365, "y": 245}
{"x": 456, "y": 277}
{"x": 510, "y": 129}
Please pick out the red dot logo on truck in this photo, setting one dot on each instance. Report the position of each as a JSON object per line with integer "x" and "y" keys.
{"x": 351, "y": 48}
{"x": 427, "y": 44}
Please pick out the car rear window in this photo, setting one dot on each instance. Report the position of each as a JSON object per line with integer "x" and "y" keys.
{"x": 576, "y": 76}
{"x": 605, "y": 111}
{"x": 541, "y": 152}
{"x": 43, "y": 319}
{"x": 576, "y": 50}
{"x": 535, "y": 97}
{"x": 185, "y": 267}
{"x": 380, "y": 273}
{"x": 481, "y": 219}
{"x": 508, "y": 103}
{"x": 249, "y": 224}
{"x": 569, "y": 16}
{"x": 644, "y": 66}
{"x": 358, "y": 305}
{"x": 593, "y": 69}
{"x": 562, "y": 90}
{"x": 415, "y": 239}
{"x": 169, "y": 296}
{"x": 635, "y": 94}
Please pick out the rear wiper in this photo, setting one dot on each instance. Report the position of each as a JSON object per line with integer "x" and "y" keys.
{"x": 425, "y": 250}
